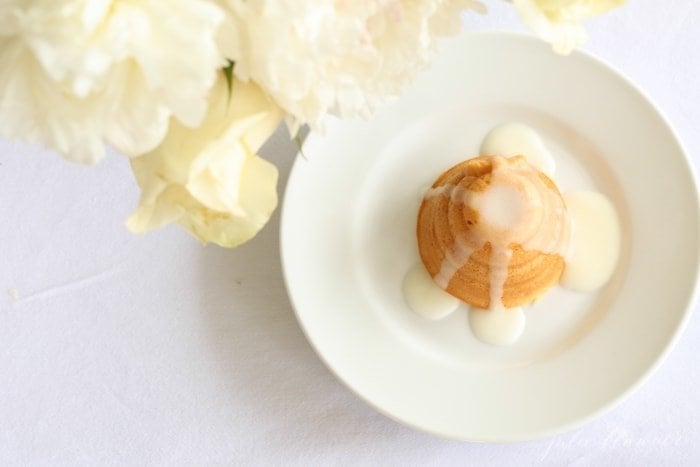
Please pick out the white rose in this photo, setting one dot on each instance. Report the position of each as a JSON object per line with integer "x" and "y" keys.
{"x": 208, "y": 178}
{"x": 76, "y": 74}
{"x": 344, "y": 57}
{"x": 559, "y": 21}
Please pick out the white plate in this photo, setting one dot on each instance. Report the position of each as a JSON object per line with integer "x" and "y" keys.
{"x": 348, "y": 237}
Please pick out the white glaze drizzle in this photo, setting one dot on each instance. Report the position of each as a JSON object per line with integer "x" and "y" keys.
{"x": 498, "y": 273}
{"x": 455, "y": 258}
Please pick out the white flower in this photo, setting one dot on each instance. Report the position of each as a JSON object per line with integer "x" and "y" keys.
{"x": 558, "y": 21}
{"x": 76, "y": 74}
{"x": 209, "y": 179}
{"x": 340, "y": 56}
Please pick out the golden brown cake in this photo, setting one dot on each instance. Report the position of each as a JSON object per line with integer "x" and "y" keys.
{"x": 493, "y": 232}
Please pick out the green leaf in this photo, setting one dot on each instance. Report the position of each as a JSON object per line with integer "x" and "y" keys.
{"x": 299, "y": 142}
{"x": 228, "y": 73}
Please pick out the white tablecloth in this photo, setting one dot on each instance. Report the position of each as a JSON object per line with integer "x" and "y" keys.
{"x": 119, "y": 349}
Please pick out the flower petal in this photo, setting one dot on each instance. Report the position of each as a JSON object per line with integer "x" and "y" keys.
{"x": 559, "y": 21}
{"x": 208, "y": 178}
{"x": 78, "y": 74}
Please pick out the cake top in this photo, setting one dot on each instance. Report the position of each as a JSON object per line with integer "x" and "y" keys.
{"x": 493, "y": 206}
{"x": 503, "y": 202}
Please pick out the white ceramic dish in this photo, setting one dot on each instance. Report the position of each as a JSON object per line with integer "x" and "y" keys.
{"x": 348, "y": 238}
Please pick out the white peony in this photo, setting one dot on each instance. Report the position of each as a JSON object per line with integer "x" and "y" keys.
{"x": 335, "y": 56}
{"x": 76, "y": 74}
{"x": 209, "y": 178}
{"x": 559, "y": 21}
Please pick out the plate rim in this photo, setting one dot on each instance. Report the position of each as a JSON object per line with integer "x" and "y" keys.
{"x": 688, "y": 308}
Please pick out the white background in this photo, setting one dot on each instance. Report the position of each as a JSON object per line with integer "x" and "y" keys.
{"x": 154, "y": 350}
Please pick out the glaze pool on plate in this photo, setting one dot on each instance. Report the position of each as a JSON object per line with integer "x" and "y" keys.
{"x": 347, "y": 238}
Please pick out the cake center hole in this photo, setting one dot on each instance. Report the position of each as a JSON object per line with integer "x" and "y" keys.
{"x": 500, "y": 206}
